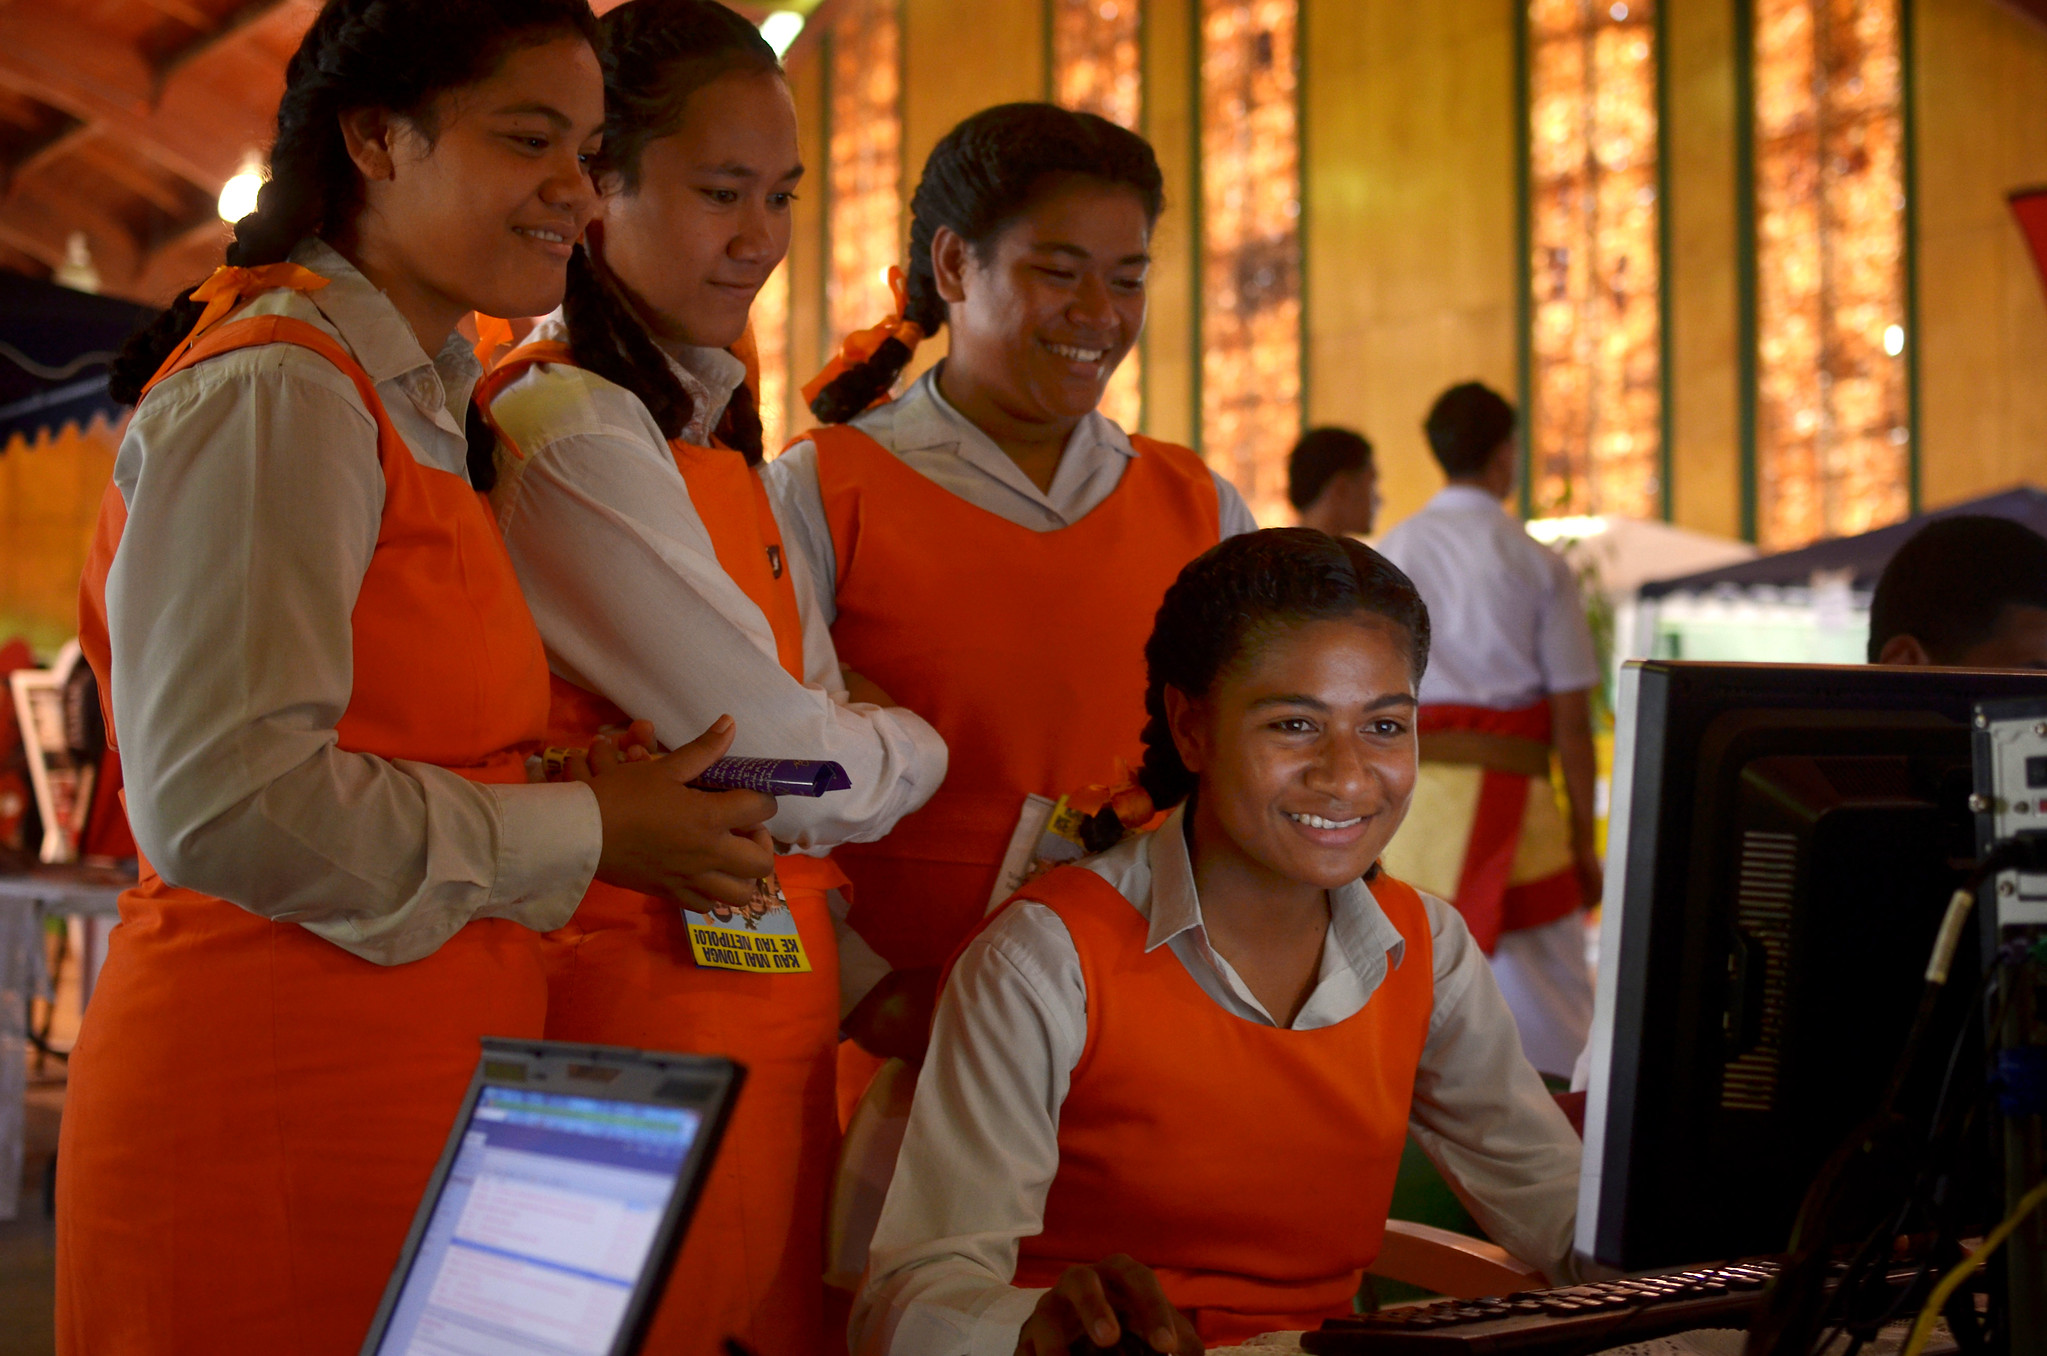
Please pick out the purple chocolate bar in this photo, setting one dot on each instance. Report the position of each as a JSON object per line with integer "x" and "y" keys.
{"x": 774, "y": 776}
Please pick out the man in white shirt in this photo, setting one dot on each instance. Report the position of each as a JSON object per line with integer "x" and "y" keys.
{"x": 1332, "y": 483}
{"x": 1509, "y": 681}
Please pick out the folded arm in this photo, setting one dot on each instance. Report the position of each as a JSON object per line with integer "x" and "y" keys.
{"x": 625, "y": 583}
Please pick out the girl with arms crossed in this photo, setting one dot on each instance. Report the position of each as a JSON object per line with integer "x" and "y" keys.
{"x": 631, "y": 500}
{"x": 325, "y": 687}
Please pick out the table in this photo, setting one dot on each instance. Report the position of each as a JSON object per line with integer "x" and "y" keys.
{"x": 90, "y": 896}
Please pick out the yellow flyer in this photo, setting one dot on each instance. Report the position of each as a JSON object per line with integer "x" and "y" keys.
{"x": 759, "y": 939}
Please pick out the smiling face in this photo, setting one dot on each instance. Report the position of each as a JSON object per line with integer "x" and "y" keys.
{"x": 709, "y": 220}
{"x": 482, "y": 214}
{"x": 1305, "y": 749}
{"x": 1040, "y": 319}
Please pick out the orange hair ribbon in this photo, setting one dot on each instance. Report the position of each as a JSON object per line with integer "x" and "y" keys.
{"x": 860, "y": 345}
{"x": 230, "y": 286}
{"x": 493, "y": 336}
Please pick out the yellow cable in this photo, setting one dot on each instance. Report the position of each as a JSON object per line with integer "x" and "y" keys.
{"x": 1922, "y": 1327}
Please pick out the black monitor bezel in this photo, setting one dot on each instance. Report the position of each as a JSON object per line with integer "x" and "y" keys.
{"x": 1665, "y": 709}
{"x": 654, "y": 1073}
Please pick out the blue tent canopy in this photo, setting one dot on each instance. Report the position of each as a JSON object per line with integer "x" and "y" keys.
{"x": 55, "y": 345}
{"x": 1866, "y": 555}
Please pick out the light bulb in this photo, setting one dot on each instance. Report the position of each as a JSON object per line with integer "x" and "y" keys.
{"x": 238, "y": 195}
{"x": 780, "y": 29}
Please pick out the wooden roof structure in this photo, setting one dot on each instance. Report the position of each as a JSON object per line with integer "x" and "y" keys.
{"x": 121, "y": 119}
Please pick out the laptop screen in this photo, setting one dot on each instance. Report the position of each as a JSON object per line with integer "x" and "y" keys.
{"x": 543, "y": 1226}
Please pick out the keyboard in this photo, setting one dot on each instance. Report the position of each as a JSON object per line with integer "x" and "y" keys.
{"x": 1572, "y": 1318}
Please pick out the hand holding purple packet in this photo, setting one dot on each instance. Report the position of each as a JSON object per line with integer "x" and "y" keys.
{"x": 773, "y": 776}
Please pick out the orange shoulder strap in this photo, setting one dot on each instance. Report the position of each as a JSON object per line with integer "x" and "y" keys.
{"x": 222, "y": 293}
{"x": 248, "y": 332}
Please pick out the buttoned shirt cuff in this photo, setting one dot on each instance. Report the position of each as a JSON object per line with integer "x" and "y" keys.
{"x": 549, "y": 840}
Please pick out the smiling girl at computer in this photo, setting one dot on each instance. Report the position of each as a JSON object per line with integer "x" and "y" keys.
{"x": 1203, "y": 1049}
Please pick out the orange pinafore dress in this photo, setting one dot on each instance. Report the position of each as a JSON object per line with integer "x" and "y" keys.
{"x": 1025, "y": 651}
{"x": 1249, "y": 1166}
{"x": 622, "y": 973}
{"x": 254, "y": 1112}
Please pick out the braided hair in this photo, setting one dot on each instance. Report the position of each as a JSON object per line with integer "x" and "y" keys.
{"x": 1232, "y": 596}
{"x": 397, "y": 55}
{"x": 979, "y": 179}
{"x": 656, "y": 54}
{"x": 391, "y": 54}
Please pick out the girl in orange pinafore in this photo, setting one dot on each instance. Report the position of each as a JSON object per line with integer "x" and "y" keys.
{"x": 989, "y": 547}
{"x": 632, "y": 505}
{"x": 326, "y": 687}
{"x": 1168, "y": 1087}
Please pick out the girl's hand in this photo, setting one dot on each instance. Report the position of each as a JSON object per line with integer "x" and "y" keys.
{"x": 661, "y": 837}
{"x": 1098, "y": 1303}
{"x": 893, "y": 1020}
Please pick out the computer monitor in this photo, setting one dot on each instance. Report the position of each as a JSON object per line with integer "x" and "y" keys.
{"x": 1782, "y": 844}
{"x": 550, "y": 1223}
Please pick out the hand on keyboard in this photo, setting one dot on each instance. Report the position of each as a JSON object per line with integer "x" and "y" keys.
{"x": 1104, "y": 1307}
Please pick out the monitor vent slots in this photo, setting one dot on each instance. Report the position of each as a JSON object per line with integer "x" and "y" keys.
{"x": 1763, "y": 904}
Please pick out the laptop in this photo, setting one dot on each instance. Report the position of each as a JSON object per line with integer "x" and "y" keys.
{"x": 554, "y": 1214}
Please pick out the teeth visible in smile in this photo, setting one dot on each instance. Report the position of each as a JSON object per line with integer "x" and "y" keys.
{"x": 553, "y": 237}
{"x": 1079, "y": 355}
{"x": 1318, "y": 822}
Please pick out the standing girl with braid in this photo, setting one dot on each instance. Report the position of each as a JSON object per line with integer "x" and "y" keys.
{"x": 325, "y": 687}
{"x": 989, "y": 547}
{"x": 631, "y": 501}
{"x": 1168, "y": 1088}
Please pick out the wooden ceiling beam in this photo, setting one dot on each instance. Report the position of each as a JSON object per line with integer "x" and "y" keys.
{"x": 49, "y": 152}
{"x": 179, "y": 262}
{"x": 35, "y": 226}
{"x": 168, "y": 196}
{"x": 190, "y": 16}
{"x": 185, "y": 126}
{"x": 235, "y": 24}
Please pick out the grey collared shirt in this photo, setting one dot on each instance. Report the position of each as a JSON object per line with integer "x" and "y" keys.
{"x": 944, "y": 446}
{"x": 254, "y": 499}
{"x": 982, "y": 1146}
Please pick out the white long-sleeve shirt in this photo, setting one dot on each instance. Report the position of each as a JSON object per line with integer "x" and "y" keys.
{"x": 982, "y": 1145}
{"x": 944, "y": 446}
{"x": 621, "y": 574}
{"x": 254, "y": 498}
{"x": 1508, "y": 627}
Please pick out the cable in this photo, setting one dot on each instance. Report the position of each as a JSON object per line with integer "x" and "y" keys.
{"x": 44, "y": 372}
{"x": 1795, "y": 1307}
{"x": 1922, "y": 1327}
